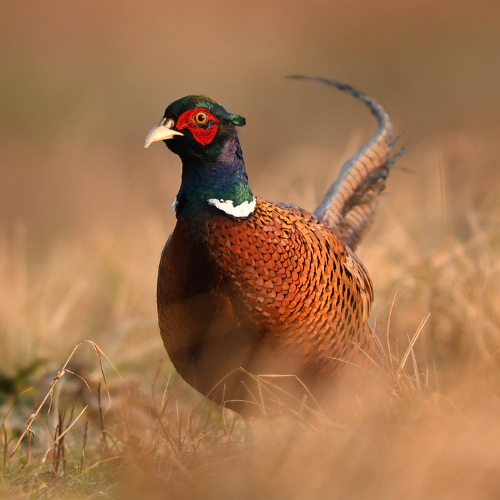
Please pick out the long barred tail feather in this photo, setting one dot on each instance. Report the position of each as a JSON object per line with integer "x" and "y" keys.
{"x": 349, "y": 205}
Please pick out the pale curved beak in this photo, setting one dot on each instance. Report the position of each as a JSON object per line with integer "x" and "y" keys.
{"x": 162, "y": 132}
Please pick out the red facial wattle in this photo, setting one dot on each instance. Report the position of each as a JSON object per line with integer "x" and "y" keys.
{"x": 203, "y": 133}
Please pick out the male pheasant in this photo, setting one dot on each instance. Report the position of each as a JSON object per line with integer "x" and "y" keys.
{"x": 248, "y": 286}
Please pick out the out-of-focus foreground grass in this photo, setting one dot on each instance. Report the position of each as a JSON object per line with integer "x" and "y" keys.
{"x": 85, "y": 212}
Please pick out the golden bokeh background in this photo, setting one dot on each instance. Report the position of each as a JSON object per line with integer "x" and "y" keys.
{"x": 82, "y": 83}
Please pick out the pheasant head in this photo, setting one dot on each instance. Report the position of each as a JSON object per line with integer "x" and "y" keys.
{"x": 203, "y": 134}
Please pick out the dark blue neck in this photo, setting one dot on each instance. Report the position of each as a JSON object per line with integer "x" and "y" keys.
{"x": 224, "y": 178}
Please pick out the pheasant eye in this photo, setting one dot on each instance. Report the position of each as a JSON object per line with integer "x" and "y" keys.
{"x": 201, "y": 118}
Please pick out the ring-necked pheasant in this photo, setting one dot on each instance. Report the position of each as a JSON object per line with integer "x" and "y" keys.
{"x": 268, "y": 287}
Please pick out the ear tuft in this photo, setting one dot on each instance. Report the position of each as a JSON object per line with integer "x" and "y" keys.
{"x": 237, "y": 120}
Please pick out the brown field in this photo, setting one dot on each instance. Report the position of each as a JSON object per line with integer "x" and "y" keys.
{"x": 85, "y": 211}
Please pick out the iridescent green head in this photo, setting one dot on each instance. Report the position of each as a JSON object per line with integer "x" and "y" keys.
{"x": 195, "y": 126}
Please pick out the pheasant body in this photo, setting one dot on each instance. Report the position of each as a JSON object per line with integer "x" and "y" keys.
{"x": 246, "y": 283}
{"x": 277, "y": 292}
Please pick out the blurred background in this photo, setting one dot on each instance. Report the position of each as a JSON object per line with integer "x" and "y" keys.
{"x": 85, "y": 210}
